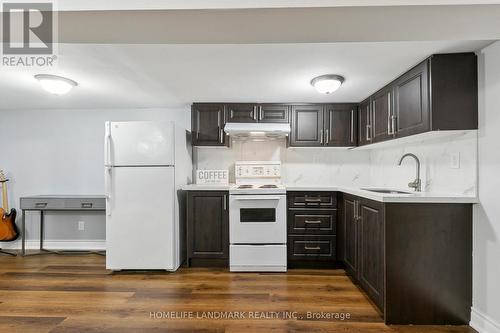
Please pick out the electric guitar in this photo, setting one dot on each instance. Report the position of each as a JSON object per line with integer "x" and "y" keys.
{"x": 8, "y": 228}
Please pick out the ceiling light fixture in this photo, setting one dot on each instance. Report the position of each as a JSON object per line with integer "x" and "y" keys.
{"x": 326, "y": 84}
{"x": 54, "y": 84}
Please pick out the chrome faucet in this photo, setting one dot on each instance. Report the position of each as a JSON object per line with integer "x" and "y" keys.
{"x": 417, "y": 183}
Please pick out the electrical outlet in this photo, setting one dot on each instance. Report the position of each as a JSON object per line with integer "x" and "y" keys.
{"x": 455, "y": 160}
{"x": 81, "y": 225}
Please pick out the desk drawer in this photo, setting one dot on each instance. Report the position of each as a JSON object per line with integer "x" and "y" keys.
{"x": 311, "y": 247}
{"x": 85, "y": 204}
{"x": 42, "y": 203}
{"x": 312, "y": 222}
{"x": 312, "y": 200}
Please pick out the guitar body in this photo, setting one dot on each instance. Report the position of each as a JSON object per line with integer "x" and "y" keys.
{"x": 8, "y": 228}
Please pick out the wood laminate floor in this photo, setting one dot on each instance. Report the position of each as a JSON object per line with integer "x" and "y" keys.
{"x": 58, "y": 294}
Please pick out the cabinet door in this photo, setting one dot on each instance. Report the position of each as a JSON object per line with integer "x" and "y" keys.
{"x": 307, "y": 126}
{"x": 208, "y": 225}
{"x": 371, "y": 249}
{"x": 242, "y": 113}
{"x": 411, "y": 102}
{"x": 340, "y": 125}
{"x": 350, "y": 235}
{"x": 208, "y": 122}
{"x": 274, "y": 113}
{"x": 382, "y": 108}
{"x": 364, "y": 123}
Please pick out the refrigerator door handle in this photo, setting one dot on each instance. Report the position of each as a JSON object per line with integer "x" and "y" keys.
{"x": 107, "y": 179}
{"x": 107, "y": 159}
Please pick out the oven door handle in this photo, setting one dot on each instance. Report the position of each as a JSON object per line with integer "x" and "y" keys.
{"x": 256, "y": 198}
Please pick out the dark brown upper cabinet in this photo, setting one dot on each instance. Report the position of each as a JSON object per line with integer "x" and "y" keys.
{"x": 330, "y": 125}
{"x": 340, "y": 125}
{"x": 438, "y": 94}
{"x": 307, "y": 126}
{"x": 207, "y": 123}
{"x": 273, "y": 113}
{"x": 364, "y": 123}
{"x": 411, "y": 102}
{"x": 382, "y": 114}
{"x": 242, "y": 113}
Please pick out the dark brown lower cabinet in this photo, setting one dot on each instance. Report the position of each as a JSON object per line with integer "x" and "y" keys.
{"x": 207, "y": 228}
{"x": 414, "y": 260}
{"x": 312, "y": 229}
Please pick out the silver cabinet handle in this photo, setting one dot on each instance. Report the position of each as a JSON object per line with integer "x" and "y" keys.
{"x": 317, "y": 199}
{"x": 40, "y": 204}
{"x": 389, "y": 130}
{"x": 225, "y": 202}
{"x": 352, "y": 125}
{"x": 321, "y": 136}
{"x": 86, "y": 205}
{"x": 261, "y": 113}
{"x": 254, "y": 113}
{"x": 327, "y": 139}
{"x": 312, "y": 222}
{"x": 393, "y": 123}
{"x": 221, "y": 135}
{"x": 311, "y": 248}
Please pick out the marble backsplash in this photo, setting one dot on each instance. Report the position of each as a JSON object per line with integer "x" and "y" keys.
{"x": 358, "y": 168}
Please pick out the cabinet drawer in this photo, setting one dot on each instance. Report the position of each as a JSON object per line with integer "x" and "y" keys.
{"x": 41, "y": 203}
{"x": 311, "y": 247}
{"x": 312, "y": 200}
{"x": 312, "y": 222}
{"x": 85, "y": 204}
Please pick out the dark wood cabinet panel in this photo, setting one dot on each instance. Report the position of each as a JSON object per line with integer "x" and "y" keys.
{"x": 312, "y": 222}
{"x": 349, "y": 235}
{"x": 311, "y": 248}
{"x": 307, "y": 126}
{"x": 207, "y": 123}
{"x": 312, "y": 200}
{"x": 364, "y": 123}
{"x": 242, "y": 113}
{"x": 411, "y": 101}
{"x": 274, "y": 113}
{"x": 340, "y": 125}
{"x": 207, "y": 225}
{"x": 371, "y": 249}
{"x": 382, "y": 108}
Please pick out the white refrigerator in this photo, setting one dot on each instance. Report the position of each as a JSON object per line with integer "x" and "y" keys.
{"x": 146, "y": 163}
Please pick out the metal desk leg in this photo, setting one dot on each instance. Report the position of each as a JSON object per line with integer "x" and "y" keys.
{"x": 23, "y": 233}
{"x": 41, "y": 230}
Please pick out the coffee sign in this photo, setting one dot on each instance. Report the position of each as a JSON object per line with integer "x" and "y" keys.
{"x": 212, "y": 177}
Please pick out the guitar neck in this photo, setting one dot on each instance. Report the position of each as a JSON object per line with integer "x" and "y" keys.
{"x": 5, "y": 200}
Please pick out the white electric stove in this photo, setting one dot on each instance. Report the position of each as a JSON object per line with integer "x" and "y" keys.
{"x": 257, "y": 218}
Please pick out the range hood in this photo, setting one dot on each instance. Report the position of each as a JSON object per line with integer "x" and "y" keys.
{"x": 257, "y": 130}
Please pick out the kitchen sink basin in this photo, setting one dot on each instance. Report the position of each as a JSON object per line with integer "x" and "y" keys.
{"x": 385, "y": 190}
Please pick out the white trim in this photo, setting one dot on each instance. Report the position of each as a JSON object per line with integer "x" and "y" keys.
{"x": 483, "y": 323}
{"x": 67, "y": 244}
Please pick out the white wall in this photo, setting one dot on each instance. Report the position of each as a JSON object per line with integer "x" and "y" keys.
{"x": 436, "y": 172}
{"x": 300, "y": 166}
{"x": 486, "y": 248}
{"x": 62, "y": 152}
{"x": 378, "y": 167}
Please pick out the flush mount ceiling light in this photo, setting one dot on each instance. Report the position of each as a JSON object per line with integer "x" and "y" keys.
{"x": 54, "y": 84}
{"x": 326, "y": 84}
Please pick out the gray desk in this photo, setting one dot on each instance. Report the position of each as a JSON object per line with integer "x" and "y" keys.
{"x": 66, "y": 203}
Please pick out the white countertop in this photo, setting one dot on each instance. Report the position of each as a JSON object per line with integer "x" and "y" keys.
{"x": 414, "y": 197}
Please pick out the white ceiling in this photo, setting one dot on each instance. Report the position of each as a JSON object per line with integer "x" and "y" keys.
{"x": 136, "y": 76}
{"x": 210, "y": 4}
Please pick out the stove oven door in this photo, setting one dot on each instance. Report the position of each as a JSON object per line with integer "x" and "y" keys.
{"x": 257, "y": 219}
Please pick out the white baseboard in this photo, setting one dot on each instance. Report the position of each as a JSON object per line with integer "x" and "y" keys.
{"x": 483, "y": 323}
{"x": 67, "y": 244}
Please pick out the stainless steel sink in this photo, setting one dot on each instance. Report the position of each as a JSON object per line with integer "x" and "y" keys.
{"x": 385, "y": 190}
